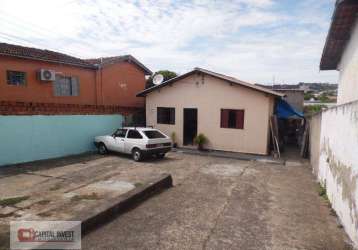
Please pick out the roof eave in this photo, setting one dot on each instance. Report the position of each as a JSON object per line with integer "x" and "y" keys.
{"x": 50, "y": 61}
{"x": 130, "y": 59}
{"x": 141, "y": 65}
{"x": 329, "y": 62}
{"x": 149, "y": 90}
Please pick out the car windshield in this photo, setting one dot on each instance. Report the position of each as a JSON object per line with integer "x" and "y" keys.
{"x": 153, "y": 134}
{"x": 120, "y": 133}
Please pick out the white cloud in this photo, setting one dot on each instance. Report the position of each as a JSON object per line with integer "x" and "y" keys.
{"x": 250, "y": 39}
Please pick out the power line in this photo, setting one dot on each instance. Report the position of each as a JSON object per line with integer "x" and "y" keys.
{"x": 12, "y": 41}
{"x": 20, "y": 25}
{"x": 16, "y": 38}
{"x": 22, "y": 22}
{"x": 17, "y": 25}
{"x": 40, "y": 31}
{"x": 36, "y": 33}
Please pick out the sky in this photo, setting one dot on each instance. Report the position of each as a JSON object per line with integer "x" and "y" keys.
{"x": 259, "y": 41}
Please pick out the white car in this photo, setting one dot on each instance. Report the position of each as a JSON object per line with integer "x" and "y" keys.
{"x": 139, "y": 142}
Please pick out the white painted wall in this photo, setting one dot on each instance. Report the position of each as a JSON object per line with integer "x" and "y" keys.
{"x": 209, "y": 96}
{"x": 348, "y": 67}
{"x": 335, "y": 161}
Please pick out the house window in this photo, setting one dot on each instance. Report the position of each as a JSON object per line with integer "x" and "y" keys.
{"x": 16, "y": 78}
{"x": 134, "y": 134}
{"x": 165, "y": 115}
{"x": 66, "y": 86}
{"x": 232, "y": 118}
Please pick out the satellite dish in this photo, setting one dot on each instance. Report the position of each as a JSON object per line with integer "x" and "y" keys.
{"x": 158, "y": 79}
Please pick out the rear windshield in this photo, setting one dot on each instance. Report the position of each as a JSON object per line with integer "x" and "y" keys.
{"x": 153, "y": 134}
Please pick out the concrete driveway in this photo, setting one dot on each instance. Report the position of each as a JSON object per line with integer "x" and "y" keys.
{"x": 67, "y": 189}
{"x": 221, "y": 203}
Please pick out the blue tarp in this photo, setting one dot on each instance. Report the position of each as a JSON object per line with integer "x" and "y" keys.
{"x": 285, "y": 110}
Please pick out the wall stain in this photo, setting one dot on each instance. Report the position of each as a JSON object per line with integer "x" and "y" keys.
{"x": 345, "y": 179}
{"x": 315, "y": 138}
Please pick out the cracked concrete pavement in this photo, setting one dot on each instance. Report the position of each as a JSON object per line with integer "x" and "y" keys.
{"x": 221, "y": 203}
{"x": 63, "y": 189}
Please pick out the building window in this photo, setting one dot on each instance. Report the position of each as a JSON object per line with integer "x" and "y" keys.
{"x": 134, "y": 134}
{"x": 17, "y": 78}
{"x": 66, "y": 86}
{"x": 165, "y": 115}
{"x": 232, "y": 118}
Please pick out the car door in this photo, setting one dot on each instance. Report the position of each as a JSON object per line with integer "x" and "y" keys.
{"x": 133, "y": 139}
{"x": 119, "y": 138}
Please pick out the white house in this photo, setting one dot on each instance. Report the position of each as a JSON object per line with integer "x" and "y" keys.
{"x": 234, "y": 115}
{"x": 334, "y": 132}
{"x": 341, "y": 49}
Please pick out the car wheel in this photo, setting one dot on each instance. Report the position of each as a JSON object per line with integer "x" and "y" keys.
{"x": 160, "y": 156}
{"x": 102, "y": 149}
{"x": 136, "y": 155}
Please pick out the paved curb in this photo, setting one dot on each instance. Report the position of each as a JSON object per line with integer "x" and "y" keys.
{"x": 276, "y": 162}
{"x": 236, "y": 157}
{"x": 121, "y": 204}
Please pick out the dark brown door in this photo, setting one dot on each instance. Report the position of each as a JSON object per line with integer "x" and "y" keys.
{"x": 190, "y": 125}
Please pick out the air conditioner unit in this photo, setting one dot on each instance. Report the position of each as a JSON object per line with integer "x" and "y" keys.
{"x": 47, "y": 75}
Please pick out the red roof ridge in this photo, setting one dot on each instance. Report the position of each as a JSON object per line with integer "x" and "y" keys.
{"x": 42, "y": 55}
{"x": 104, "y": 61}
{"x": 19, "y": 51}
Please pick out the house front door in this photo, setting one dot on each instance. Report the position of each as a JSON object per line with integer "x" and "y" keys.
{"x": 190, "y": 125}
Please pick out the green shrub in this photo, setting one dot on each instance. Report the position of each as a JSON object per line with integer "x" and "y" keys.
{"x": 173, "y": 136}
{"x": 200, "y": 140}
{"x": 312, "y": 109}
{"x": 322, "y": 191}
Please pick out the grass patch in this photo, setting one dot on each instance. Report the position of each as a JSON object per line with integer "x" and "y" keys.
{"x": 45, "y": 214}
{"x": 138, "y": 184}
{"x": 332, "y": 212}
{"x": 322, "y": 191}
{"x": 43, "y": 202}
{"x": 56, "y": 187}
{"x": 92, "y": 196}
{"x": 13, "y": 200}
{"x": 6, "y": 215}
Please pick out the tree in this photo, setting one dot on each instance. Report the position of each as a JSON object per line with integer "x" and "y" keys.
{"x": 312, "y": 109}
{"x": 324, "y": 98}
{"x": 308, "y": 96}
{"x": 166, "y": 74}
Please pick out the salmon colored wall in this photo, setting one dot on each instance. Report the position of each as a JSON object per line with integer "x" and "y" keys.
{"x": 38, "y": 91}
{"x": 120, "y": 84}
